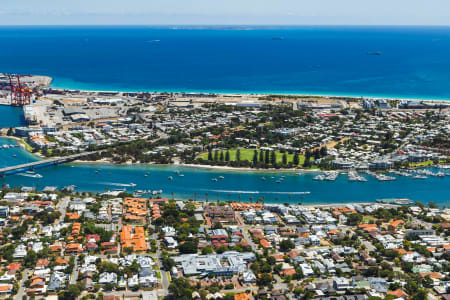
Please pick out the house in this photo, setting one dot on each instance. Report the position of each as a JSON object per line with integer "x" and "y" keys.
{"x": 170, "y": 242}
{"x": 6, "y": 288}
{"x": 341, "y": 283}
{"x": 20, "y": 252}
{"x": 249, "y": 276}
{"x": 107, "y": 278}
{"x": 147, "y": 277}
{"x": 57, "y": 282}
{"x": 74, "y": 248}
{"x": 398, "y": 294}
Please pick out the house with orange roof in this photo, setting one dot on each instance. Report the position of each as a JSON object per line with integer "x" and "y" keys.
{"x": 72, "y": 216}
{"x": 446, "y": 248}
{"x": 6, "y": 288}
{"x": 74, "y": 248}
{"x": 76, "y": 228}
{"x": 243, "y": 296}
{"x": 265, "y": 243}
{"x": 433, "y": 275}
{"x": 392, "y": 226}
{"x": 398, "y": 293}
{"x": 133, "y": 237}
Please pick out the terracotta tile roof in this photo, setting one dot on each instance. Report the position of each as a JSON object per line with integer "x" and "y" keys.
{"x": 398, "y": 293}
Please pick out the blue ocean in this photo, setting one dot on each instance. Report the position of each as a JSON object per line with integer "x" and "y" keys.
{"x": 407, "y": 62}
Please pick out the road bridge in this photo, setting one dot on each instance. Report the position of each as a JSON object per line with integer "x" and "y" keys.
{"x": 42, "y": 163}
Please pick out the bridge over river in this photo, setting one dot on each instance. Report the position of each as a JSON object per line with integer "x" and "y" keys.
{"x": 42, "y": 163}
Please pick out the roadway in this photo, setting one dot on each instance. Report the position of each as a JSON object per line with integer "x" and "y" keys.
{"x": 53, "y": 161}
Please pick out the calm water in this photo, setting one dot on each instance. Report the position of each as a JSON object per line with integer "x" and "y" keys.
{"x": 11, "y": 116}
{"x": 235, "y": 185}
{"x": 414, "y": 61}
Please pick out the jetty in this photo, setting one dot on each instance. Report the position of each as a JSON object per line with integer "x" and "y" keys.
{"x": 43, "y": 163}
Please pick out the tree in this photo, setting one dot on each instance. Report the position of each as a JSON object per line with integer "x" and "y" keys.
{"x": 267, "y": 157}
{"x": 238, "y": 154}
{"x": 221, "y": 156}
{"x": 316, "y": 154}
{"x": 180, "y": 288}
{"x": 286, "y": 245}
{"x": 296, "y": 159}
{"x": 261, "y": 156}
{"x": 255, "y": 157}
{"x": 70, "y": 293}
{"x": 323, "y": 151}
{"x": 284, "y": 158}
{"x": 216, "y": 155}
{"x": 273, "y": 158}
{"x": 210, "y": 156}
{"x": 30, "y": 259}
{"x": 354, "y": 219}
{"x": 188, "y": 247}
{"x": 227, "y": 156}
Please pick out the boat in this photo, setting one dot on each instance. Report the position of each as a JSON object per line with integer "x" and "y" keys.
{"x": 31, "y": 174}
{"x": 132, "y": 184}
{"x": 221, "y": 177}
{"x": 14, "y": 155}
{"x": 305, "y": 193}
{"x": 214, "y": 179}
{"x": 300, "y": 173}
{"x": 277, "y": 38}
{"x": 263, "y": 178}
{"x": 374, "y": 53}
{"x": 278, "y": 181}
{"x": 181, "y": 175}
{"x": 319, "y": 177}
{"x": 170, "y": 177}
{"x": 145, "y": 175}
{"x": 419, "y": 177}
{"x": 156, "y": 192}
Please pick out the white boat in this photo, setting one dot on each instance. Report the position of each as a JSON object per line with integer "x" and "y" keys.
{"x": 221, "y": 177}
{"x": 305, "y": 193}
{"x": 132, "y": 184}
{"x": 214, "y": 179}
{"x": 31, "y": 174}
{"x": 181, "y": 175}
{"x": 170, "y": 177}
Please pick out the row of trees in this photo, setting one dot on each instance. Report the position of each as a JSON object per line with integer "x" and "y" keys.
{"x": 264, "y": 159}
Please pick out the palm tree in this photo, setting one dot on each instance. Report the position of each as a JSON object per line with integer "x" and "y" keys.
{"x": 218, "y": 194}
{"x": 206, "y": 194}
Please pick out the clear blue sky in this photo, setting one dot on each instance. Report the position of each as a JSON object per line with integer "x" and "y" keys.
{"x": 226, "y": 12}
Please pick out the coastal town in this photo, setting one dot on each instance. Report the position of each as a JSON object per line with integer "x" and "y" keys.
{"x": 62, "y": 245}
{"x": 58, "y": 243}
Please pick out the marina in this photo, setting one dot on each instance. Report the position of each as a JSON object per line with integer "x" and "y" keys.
{"x": 242, "y": 185}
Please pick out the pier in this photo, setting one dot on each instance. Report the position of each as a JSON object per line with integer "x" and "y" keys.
{"x": 54, "y": 161}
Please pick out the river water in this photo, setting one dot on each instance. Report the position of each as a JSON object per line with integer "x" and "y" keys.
{"x": 242, "y": 185}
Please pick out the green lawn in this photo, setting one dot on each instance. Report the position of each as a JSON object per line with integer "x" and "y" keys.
{"x": 247, "y": 154}
{"x": 421, "y": 164}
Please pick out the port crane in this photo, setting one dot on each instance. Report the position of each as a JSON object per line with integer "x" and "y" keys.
{"x": 20, "y": 93}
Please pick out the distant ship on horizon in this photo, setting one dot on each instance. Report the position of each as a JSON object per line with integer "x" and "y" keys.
{"x": 374, "y": 53}
{"x": 277, "y": 38}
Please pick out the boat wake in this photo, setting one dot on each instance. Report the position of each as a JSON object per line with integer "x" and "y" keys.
{"x": 256, "y": 192}
{"x": 118, "y": 184}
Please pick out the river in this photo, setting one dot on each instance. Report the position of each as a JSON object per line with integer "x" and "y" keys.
{"x": 242, "y": 185}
